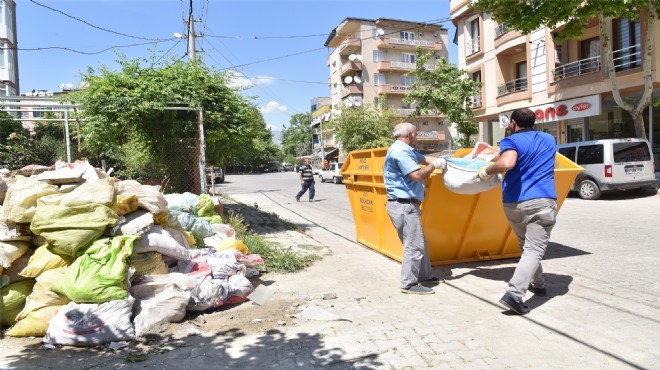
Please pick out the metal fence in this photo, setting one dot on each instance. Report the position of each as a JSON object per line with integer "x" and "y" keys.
{"x": 175, "y": 169}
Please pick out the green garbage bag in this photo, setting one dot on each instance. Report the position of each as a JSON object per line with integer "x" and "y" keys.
{"x": 12, "y": 300}
{"x": 206, "y": 209}
{"x": 69, "y": 229}
{"x": 99, "y": 274}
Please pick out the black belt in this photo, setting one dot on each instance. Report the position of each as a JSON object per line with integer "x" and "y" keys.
{"x": 405, "y": 200}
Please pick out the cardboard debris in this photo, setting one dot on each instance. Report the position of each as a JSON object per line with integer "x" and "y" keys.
{"x": 260, "y": 295}
{"x": 61, "y": 176}
{"x": 134, "y": 223}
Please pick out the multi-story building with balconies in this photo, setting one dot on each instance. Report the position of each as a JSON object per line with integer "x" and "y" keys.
{"x": 8, "y": 56}
{"x": 369, "y": 64}
{"x": 565, "y": 83}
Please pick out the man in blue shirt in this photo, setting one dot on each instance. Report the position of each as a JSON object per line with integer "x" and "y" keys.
{"x": 530, "y": 201}
{"x": 404, "y": 182}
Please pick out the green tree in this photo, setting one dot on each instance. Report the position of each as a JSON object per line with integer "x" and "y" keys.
{"x": 527, "y": 16}
{"x": 8, "y": 125}
{"x": 297, "y": 137}
{"x": 132, "y": 106}
{"x": 364, "y": 127}
{"x": 446, "y": 89}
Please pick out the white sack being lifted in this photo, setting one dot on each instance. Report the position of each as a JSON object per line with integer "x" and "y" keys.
{"x": 460, "y": 176}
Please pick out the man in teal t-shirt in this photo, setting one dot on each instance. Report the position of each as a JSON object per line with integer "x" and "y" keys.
{"x": 529, "y": 199}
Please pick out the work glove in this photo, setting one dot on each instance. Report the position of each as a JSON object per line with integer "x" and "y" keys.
{"x": 482, "y": 174}
{"x": 440, "y": 164}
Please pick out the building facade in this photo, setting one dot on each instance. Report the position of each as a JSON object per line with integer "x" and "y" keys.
{"x": 369, "y": 63}
{"x": 324, "y": 146}
{"x": 565, "y": 83}
{"x": 8, "y": 54}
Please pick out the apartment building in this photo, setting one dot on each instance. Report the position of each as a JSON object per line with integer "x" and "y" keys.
{"x": 565, "y": 83}
{"x": 369, "y": 63}
{"x": 323, "y": 139}
{"x": 8, "y": 55}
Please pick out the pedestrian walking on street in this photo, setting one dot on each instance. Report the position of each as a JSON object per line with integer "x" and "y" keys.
{"x": 306, "y": 181}
{"x": 529, "y": 200}
{"x": 404, "y": 182}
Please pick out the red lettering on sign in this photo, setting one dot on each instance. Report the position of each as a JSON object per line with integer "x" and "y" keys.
{"x": 550, "y": 113}
{"x": 539, "y": 114}
{"x": 562, "y": 110}
{"x": 580, "y": 107}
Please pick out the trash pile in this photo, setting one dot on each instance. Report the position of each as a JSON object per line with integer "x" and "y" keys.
{"x": 87, "y": 259}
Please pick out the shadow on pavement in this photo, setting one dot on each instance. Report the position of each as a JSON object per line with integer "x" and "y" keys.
{"x": 224, "y": 349}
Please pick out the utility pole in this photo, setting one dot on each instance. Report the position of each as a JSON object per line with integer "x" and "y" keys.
{"x": 191, "y": 33}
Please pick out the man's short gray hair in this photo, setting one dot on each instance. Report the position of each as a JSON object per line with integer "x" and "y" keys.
{"x": 403, "y": 129}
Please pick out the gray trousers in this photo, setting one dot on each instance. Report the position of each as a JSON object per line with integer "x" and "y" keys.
{"x": 415, "y": 263}
{"x": 532, "y": 221}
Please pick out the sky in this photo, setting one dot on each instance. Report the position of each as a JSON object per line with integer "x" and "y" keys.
{"x": 276, "y": 47}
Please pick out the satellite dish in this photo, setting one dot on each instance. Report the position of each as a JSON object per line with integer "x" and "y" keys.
{"x": 348, "y": 103}
{"x": 69, "y": 85}
{"x": 61, "y": 86}
{"x": 357, "y": 79}
{"x": 352, "y": 57}
{"x": 380, "y": 31}
{"x": 348, "y": 79}
{"x": 358, "y": 103}
{"x": 359, "y": 57}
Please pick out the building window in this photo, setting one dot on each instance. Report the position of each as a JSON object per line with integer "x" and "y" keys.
{"x": 3, "y": 55}
{"x": 476, "y": 100}
{"x": 377, "y": 102}
{"x": 472, "y": 38}
{"x": 425, "y": 123}
{"x": 378, "y": 55}
{"x": 626, "y": 43}
{"x": 589, "y": 55}
{"x": 407, "y": 35}
{"x": 408, "y": 80}
{"x": 408, "y": 58}
{"x": 379, "y": 79}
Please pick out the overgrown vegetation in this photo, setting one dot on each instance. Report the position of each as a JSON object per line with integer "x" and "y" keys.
{"x": 276, "y": 258}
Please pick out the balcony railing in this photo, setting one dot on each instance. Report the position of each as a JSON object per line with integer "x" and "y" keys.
{"x": 624, "y": 59}
{"x": 472, "y": 47}
{"x": 577, "y": 68}
{"x": 501, "y": 29}
{"x": 519, "y": 84}
{"x": 422, "y": 43}
{"x": 475, "y": 101}
{"x": 627, "y": 58}
{"x": 407, "y": 66}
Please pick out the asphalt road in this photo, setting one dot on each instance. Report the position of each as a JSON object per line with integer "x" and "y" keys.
{"x": 601, "y": 267}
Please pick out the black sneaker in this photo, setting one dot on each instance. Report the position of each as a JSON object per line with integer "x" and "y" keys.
{"x": 432, "y": 281}
{"x": 514, "y": 305}
{"x": 538, "y": 291}
{"x": 417, "y": 289}
{"x": 297, "y": 199}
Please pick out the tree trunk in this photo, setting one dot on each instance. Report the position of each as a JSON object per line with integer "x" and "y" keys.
{"x": 635, "y": 110}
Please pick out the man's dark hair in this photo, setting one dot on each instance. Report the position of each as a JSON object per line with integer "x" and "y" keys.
{"x": 523, "y": 117}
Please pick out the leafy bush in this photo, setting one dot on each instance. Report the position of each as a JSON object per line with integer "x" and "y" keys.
{"x": 21, "y": 150}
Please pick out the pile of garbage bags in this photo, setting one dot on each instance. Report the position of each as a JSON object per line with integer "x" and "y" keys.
{"x": 87, "y": 259}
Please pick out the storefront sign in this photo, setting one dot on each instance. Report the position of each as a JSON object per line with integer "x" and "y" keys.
{"x": 562, "y": 110}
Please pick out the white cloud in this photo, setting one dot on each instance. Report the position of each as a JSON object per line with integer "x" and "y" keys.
{"x": 272, "y": 107}
{"x": 262, "y": 80}
{"x": 239, "y": 80}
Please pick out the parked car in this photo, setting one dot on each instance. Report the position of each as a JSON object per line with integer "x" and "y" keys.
{"x": 331, "y": 173}
{"x": 611, "y": 164}
{"x": 287, "y": 166}
{"x": 272, "y": 166}
{"x": 216, "y": 173}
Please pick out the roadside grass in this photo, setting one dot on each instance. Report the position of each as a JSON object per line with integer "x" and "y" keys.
{"x": 276, "y": 258}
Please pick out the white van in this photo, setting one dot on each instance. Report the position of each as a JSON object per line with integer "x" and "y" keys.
{"x": 611, "y": 164}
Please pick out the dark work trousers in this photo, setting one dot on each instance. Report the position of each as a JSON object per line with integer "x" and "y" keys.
{"x": 307, "y": 184}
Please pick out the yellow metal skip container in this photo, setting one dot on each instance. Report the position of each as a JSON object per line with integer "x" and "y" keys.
{"x": 458, "y": 228}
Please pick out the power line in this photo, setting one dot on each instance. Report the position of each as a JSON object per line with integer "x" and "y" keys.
{"x": 78, "y": 51}
{"x": 94, "y": 26}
